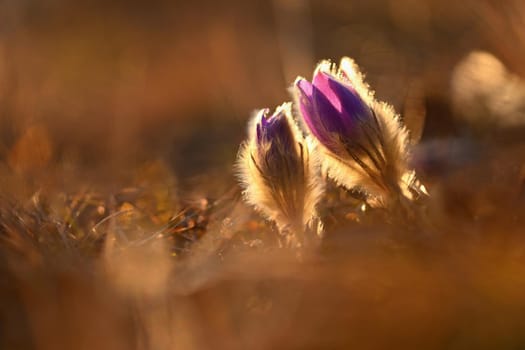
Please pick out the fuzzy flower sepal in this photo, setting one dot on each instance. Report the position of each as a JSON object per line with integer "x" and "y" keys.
{"x": 277, "y": 172}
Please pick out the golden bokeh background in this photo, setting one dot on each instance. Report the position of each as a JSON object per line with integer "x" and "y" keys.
{"x": 120, "y": 82}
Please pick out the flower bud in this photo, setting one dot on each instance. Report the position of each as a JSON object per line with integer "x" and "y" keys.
{"x": 361, "y": 142}
{"x": 277, "y": 173}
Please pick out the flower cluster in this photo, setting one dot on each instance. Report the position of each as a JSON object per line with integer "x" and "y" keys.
{"x": 351, "y": 138}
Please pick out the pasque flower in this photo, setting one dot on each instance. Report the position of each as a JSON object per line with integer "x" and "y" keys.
{"x": 277, "y": 173}
{"x": 361, "y": 142}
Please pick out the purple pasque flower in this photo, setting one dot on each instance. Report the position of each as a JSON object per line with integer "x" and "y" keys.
{"x": 361, "y": 142}
{"x": 277, "y": 173}
{"x": 331, "y": 110}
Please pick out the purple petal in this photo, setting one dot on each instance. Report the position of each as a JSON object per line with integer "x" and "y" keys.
{"x": 319, "y": 114}
{"x": 344, "y": 99}
{"x": 261, "y": 116}
{"x": 275, "y": 130}
{"x": 278, "y": 135}
{"x": 329, "y": 116}
{"x": 352, "y": 105}
{"x": 310, "y": 117}
{"x": 305, "y": 87}
{"x": 322, "y": 82}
